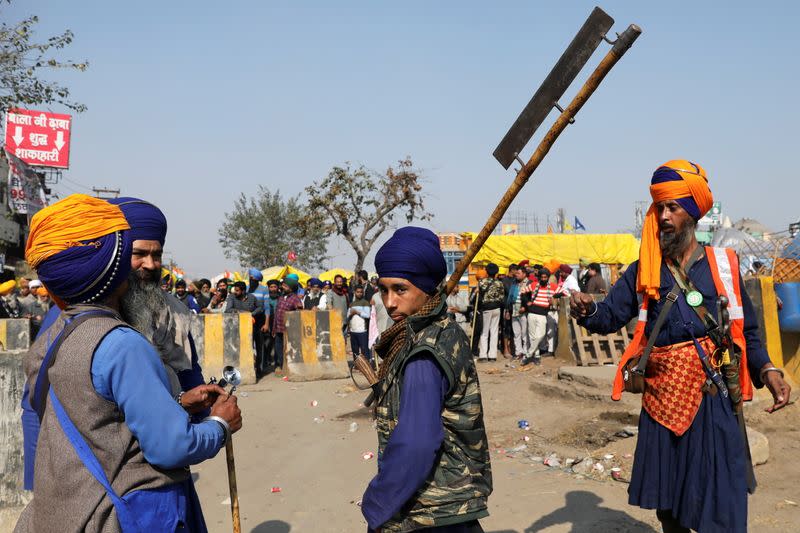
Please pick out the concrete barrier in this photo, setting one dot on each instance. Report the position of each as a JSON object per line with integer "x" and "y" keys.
{"x": 15, "y": 334}
{"x": 223, "y": 339}
{"x": 12, "y": 495}
{"x": 314, "y": 346}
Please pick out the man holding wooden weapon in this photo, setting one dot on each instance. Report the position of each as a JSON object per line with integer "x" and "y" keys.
{"x": 434, "y": 470}
{"x": 695, "y": 357}
{"x": 433, "y": 457}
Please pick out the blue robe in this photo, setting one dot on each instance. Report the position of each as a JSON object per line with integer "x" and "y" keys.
{"x": 699, "y": 476}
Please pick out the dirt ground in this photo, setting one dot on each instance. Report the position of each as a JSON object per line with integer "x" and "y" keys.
{"x": 316, "y": 464}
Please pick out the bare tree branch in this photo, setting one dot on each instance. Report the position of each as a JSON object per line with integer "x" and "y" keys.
{"x": 361, "y": 204}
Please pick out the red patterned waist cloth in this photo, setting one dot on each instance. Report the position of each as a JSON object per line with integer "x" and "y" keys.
{"x": 675, "y": 380}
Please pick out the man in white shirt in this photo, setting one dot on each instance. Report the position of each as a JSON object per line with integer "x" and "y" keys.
{"x": 357, "y": 317}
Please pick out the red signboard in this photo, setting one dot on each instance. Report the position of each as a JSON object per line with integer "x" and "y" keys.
{"x": 39, "y": 138}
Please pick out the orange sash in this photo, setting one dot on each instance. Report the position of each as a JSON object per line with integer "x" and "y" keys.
{"x": 674, "y": 380}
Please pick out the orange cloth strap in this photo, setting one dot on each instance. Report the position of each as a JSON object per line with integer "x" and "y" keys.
{"x": 725, "y": 270}
{"x": 66, "y": 223}
{"x": 635, "y": 348}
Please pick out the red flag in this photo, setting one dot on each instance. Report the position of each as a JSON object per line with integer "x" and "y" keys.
{"x": 291, "y": 256}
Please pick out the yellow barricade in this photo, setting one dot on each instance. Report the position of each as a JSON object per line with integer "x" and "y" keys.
{"x": 314, "y": 346}
{"x": 225, "y": 339}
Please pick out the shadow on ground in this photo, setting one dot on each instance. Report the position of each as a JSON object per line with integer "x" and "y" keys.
{"x": 272, "y": 526}
{"x": 582, "y": 509}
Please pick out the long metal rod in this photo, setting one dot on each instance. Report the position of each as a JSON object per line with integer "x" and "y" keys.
{"x": 617, "y": 51}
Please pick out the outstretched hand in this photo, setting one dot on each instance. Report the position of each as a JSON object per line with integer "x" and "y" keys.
{"x": 780, "y": 390}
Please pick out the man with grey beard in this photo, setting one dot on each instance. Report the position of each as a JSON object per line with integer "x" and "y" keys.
{"x": 159, "y": 316}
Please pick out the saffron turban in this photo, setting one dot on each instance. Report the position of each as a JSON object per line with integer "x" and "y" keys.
{"x": 255, "y": 274}
{"x": 81, "y": 249}
{"x": 147, "y": 221}
{"x": 412, "y": 254}
{"x": 687, "y": 184}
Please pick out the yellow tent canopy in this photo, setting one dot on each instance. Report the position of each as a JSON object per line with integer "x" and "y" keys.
{"x": 332, "y": 273}
{"x": 566, "y": 248}
{"x": 280, "y": 272}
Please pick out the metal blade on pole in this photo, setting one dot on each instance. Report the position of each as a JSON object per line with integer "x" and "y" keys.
{"x": 546, "y": 97}
{"x": 621, "y": 45}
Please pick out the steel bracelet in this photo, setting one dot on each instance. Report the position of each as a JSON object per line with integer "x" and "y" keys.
{"x": 222, "y": 422}
{"x": 770, "y": 369}
{"x": 179, "y": 397}
{"x": 593, "y": 312}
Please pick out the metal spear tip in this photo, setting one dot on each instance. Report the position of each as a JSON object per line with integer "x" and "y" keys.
{"x": 232, "y": 375}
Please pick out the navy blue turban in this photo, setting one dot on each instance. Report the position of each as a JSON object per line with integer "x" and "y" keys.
{"x": 314, "y": 282}
{"x": 412, "y": 254}
{"x": 147, "y": 221}
{"x": 88, "y": 274}
{"x": 664, "y": 174}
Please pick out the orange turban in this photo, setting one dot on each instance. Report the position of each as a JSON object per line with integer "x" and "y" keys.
{"x": 679, "y": 180}
{"x": 64, "y": 224}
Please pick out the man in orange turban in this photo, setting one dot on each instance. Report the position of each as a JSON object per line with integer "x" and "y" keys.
{"x": 698, "y": 364}
{"x": 102, "y": 394}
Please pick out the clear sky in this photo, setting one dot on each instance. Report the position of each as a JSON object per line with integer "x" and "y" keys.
{"x": 191, "y": 103}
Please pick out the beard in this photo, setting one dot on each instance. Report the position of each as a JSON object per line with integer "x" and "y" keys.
{"x": 142, "y": 304}
{"x": 675, "y": 243}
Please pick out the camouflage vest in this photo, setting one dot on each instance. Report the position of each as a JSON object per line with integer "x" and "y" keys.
{"x": 458, "y": 487}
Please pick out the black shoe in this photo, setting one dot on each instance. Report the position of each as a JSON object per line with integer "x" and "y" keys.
{"x": 537, "y": 361}
{"x": 525, "y": 361}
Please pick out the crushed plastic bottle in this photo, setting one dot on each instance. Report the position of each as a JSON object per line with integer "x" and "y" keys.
{"x": 353, "y": 427}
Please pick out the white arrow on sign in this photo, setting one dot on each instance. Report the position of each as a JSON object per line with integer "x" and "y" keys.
{"x": 59, "y": 140}
{"x": 18, "y": 135}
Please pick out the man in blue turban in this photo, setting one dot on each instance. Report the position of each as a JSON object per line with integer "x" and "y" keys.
{"x": 429, "y": 409}
{"x": 260, "y": 326}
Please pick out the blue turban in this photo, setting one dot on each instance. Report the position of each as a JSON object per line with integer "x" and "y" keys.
{"x": 255, "y": 274}
{"x": 87, "y": 274}
{"x": 314, "y": 282}
{"x": 293, "y": 276}
{"x": 412, "y": 254}
{"x": 147, "y": 221}
{"x": 664, "y": 174}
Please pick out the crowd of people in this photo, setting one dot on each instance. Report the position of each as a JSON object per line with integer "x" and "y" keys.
{"x": 357, "y": 301}
{"x": 516, "y": 313}
{"x": 26, "y": 298}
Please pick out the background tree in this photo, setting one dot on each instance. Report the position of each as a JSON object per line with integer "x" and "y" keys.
{"x": 23, "y": 62}
{"x": 262, "y": 230}
{"x": 360, "y": 204}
